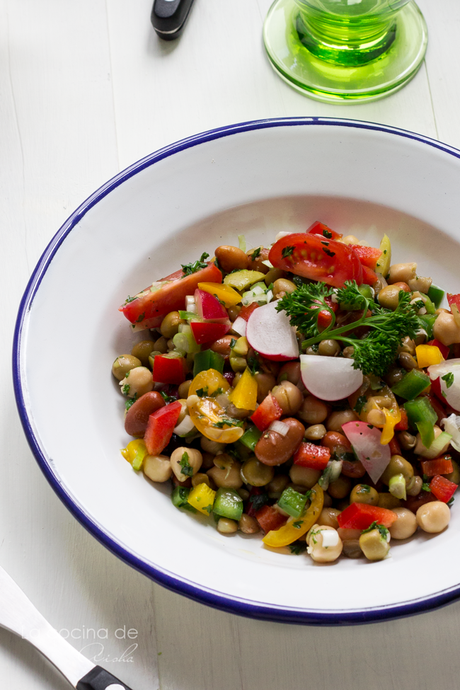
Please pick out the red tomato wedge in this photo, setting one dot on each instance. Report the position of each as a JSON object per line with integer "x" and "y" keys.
{"x": 320, "y": 229}
{"x": 170, "y": 295}
{"x": 367, "y": 255}
{"x": 316, "y": 258}
{"x": 160, "y": 427}
{"x": 362, "y": 515}
{"x": 442, "y": 488}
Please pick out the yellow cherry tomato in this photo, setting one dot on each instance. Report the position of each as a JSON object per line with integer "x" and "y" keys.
{"x": 209, "y": 417}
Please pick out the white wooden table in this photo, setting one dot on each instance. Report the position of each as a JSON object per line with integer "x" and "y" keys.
{"x": 86, "y": 88}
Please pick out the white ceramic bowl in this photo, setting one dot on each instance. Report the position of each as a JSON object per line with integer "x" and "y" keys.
{"x": 254, "y": 178}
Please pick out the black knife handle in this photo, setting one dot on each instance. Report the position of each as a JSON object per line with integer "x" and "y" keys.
{"x": 100, "y": 679}
{"x": 169, "y": 16}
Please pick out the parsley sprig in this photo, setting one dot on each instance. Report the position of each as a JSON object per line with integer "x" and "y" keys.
{"x": 374, "y": 353}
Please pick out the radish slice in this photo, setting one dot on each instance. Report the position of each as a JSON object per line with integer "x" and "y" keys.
{"x": 270, "y": 333}
{"x": 239, "y": 326}
{"x": 330, "y": 378}
{"x": 450, "y": 393}
{"x": 365, "y": 440}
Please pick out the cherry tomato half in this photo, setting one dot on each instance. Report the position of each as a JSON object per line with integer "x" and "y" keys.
{"x": 206, "y": 413}
{"x": 317, "y": 258}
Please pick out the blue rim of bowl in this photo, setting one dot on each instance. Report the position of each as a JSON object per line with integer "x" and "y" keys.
{"x": 215, "y": 599}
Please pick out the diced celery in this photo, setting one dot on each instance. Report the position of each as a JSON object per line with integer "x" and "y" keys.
{"x": 250, "y": 437}
{"x": 397, "y": 486}
{"x": 228, "y": 504}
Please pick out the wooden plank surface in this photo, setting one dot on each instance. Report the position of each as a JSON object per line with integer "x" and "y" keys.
{"x": 86, "y": 89}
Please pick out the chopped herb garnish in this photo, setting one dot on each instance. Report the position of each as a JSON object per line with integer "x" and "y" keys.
{"x": 202, "y": 392}
{"x": 297, "y": 524}
{"x": 228, "y": 422}
{"x": 232, "y": 343}
{"x": 287, "y": 251}
{"x": 363, "y": 489}
{"x": 448, "y": 378}
{"x": 167, "y": 398}
{"x": 255, "y": 254}
{"x": 188, "y": 269}
{"x": 298, "y": 547}
{"x": 129, "y": 299}
{"x": 327, "y": 233}
{"x": 362, "y": 400}
{"x": 381, "y": 528}
{"x": 253, "y": 364}
{"x": 186, "y": 467}
{"x": 140, "y": 318}
{"x": 328, "y": 252}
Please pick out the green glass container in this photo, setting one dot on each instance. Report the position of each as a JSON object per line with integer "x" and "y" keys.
{"x": 345, "y": 50}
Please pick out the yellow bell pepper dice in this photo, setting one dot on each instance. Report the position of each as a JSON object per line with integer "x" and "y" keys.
{"x": 202, "y": 498}
{"x": 392, "y": 417}
{"x": 224, "y": 293}
{"x": 428, "y": 355}
{"x": 134, "y": 448}
{"x": 384, "y": 262}
{"x": 244, "y": 395}
{"x": 297, "y": 527}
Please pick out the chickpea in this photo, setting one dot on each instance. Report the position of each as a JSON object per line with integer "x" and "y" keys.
{"x": 277, "y": 485}
{"x": 313, "y": 411}
{"x": 226, "y": 472}
{"x": 405, "y": 524}
{"x": 185, "y": 462}
{"x": 233, "y": 312}
{"x": 231, "y": 258}
{"x": 183, "y": 389}
{"x": 227, "y": 526}
{"x": 265, "y": 383}
{"x": 304, "y": 476}
{"x": 374, "y": 545}
{"x": 248, "y": 524}
{"x": 255, "y": 473}
{"x": 329, "y": 348}
{"x": 420, "y": 284}
{"x": 282, "y": 287}
{"x": 123, "y": 364}
{"x": 337, "y": 419}
{"x": 288, "y": 396}
{"x": 137, "y": 382}
{"x": 445, "y": 329}
{"x": 290, "y": 372}
{"x": 328, "y": 516}
{"x": 420, "y": 449}
{"x": 402, "y": 272}
{"x": 315, "y": 432}
{"x": 209, "y": 446}
{"x": 362, "y": 493}
{"x": 398, "y": 465}
{"x": 388, "y": 297}
{"x": 340, "y": 488}
{"x": 320, "y": 552}
{"x": 433, "y": 517}
{"x": 170, "y": 325}
{"x": 157, "y": 468}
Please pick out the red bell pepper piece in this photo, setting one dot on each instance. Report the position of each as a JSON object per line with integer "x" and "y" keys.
{"x": 168, "y": 369}
{"x": 403, "y": 423}
{"x": 270, "y": 519}
{"x": 395, "y": 448}
{"x": 320, "y": 229}
{"x": 208, "y": 331}
{"x": 445, "y": 350}
{"x": 160, "y": 427}
{"x": 148, "y": 305}
{"x": 441, "y": 465}
{"x": 362, "y": 515}
{"x": 268, "y": 411}
{"x": 453, "y": 300}
{"x": 442, "y": 488}
{"x": 310, "y": 455}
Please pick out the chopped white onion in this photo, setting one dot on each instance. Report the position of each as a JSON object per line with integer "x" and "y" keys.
{"x": 239, "y": 326}
{"x": 257, "y": 290}
{"x": 185, "y": 427}
{"x": 280, "y": 427}
{"x": 451, "y": 424}
{"x": 267, "y": 262}
{"x": 283, "y": 233}
{"x": 190, "y": 304}
{"x": 330, "y": 537}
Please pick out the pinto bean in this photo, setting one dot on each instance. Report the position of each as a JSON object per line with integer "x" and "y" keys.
{"x": 231, "y": 258}
{"x": 274, "y": 449}
{"x": 137, "y": 417}
{"x": 222, "y": 346}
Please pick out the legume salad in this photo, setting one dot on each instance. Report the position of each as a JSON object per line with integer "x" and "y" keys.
{"x": 307, "y": 393}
